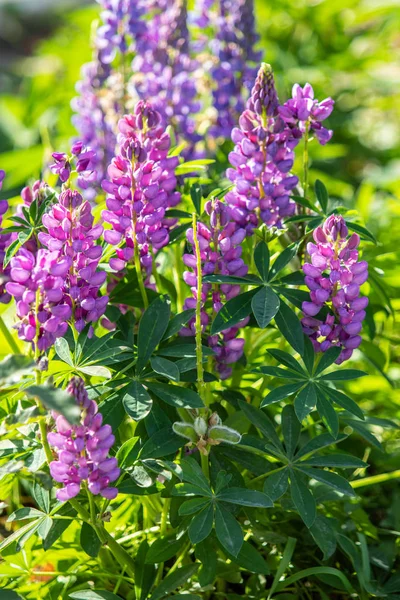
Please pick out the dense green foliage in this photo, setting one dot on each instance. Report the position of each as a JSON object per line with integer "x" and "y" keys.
{"x": 336, "y": 537}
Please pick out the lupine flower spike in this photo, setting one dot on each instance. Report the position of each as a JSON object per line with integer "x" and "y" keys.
{"x": 83, "y": 450}
{"x": 334, "y": 277}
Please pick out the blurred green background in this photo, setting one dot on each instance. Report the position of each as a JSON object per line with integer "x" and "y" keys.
{"x": 347, "y": 49}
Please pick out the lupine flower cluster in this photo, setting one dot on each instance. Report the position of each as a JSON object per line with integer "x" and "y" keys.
{"x": 5, "y": 241}
{"x": 220, "y": 252}
{"x": 263, "y": 155}
{"x": 82, "y": 160}
{"x": 140, "y": 188}
{"x": 334, "y": 277}
{"x": 71, "y": 233}
{"x": 83, "y": 450}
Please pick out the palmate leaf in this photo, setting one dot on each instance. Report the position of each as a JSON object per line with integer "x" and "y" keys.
{"x": 234, "y": 311}
{"x": 152, "y": 327}
{"x": 228, "y": 530}
{"x": 333, "y": 480}
{"x": 260, "y": 420}
{"x": 58, "y": 400}
{"x": 174, "y": 580}
{"x": 277, "y": 484}
{"x": 305, "y": 401}
{"x": 302, "y": 499}
{"x": 282, "y": 260}
{"x": 136, "y": 400}
{"x": 281, "y": 393}
{"x": 289, "y": 325}
{"x": 261, "y": 260}
{"x": 201, "y": 525}
{"x": 265, "y": 304}
{"x": 290, "y": 429}
{"x": 244, "y": 497}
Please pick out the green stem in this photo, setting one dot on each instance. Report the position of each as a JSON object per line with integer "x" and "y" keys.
{"x": 163, "y": 529}
{"x": 205, "y": 464}
{"x": 199, "y": 350}
{"x": 45, "y": 443}
{"x": 9, "y": 338}
{"x": 180, "y": 293}
{"x": 375, "y": 479}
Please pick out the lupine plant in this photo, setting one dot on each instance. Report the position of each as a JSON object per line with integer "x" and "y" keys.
{"x": 173, "y": 404}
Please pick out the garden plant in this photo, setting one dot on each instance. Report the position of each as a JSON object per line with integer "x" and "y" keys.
{"x": 188, "y": 313}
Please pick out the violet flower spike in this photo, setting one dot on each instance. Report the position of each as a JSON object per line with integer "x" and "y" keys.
{"x": 334, "y": 277}
{"x": 83, "y": 450}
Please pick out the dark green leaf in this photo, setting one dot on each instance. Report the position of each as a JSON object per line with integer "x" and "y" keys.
{"x": 265, "y": 304}
{"x": 286, "y": 359}
{"x": 321, "y": 194}
{"x": 163, "y": 549}
{"x": 244, "y": 497}
{"x": 305, "y": 401}
{"x": 309, "y": 354}
{"x": 161, "y": 444}
{"x": 13, "y": 366}
{"x": 305, "y": 202}
{"x": 276, "y": 484}
{"x": 201, "y": 525}
{"x": 320, "y": 441}
{"x": 343, "y": 461}
{"x": 248, "y": 280}
{"x": 136, "y": 400}
{"x": 261, "y": 260}
{"x": 281, "y": 393}
{"x": 152, "y": 327}
{"x": 250, "y": 559}
{"x": 344, "y": 401}
{"x": 174, "y": 580}
{"x": 234, "y": 311}
{"x": 196, "y": 196}
{"x": 362, "y": 231}
{"x": 25, "y": 513}
{"x": 191, "y": 472}
{"x": 13, "y": 248}
{"x": 278, "y": 372}
{"x": 283, "y": 259}
{"x": 324, "y": 535}
{"x": 302, "y": 499}
{"x": 177, "y": 322}
{"x": 59, "y": 526}
{"x": 176, "y": 396}
{"x": 290, "y": 429}
{"x": 144, "y": 573}
{"x": 335, "y": 481}
{"x": 262, "y": 422}
{"x": 94, "y": 595}
{"x": 327, "y": 413}
{"x": 343, "y": 375}
{"x": 89, "y": 540}
{"x": 290, "y": 327}
{"x": 190, "y": 507}
{"x": 58, "y": 400}
{"x": 327, "y": 359}
{"x": 184, "y": 351}
{"x": 364, "y": 433}
{"x": 165, "y": 367}
{"x": 205, "y": 553}
{"x": 228, "y": 530}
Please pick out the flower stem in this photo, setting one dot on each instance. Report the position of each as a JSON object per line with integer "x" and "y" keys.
{"x": 45, "y": 443}
{"x": 7, "y": 334}
{"x": 138, "y": 267}
{"x": 381, "y": 478}
{"x": 205, "y": 465}
{"x": 199, "y": 351}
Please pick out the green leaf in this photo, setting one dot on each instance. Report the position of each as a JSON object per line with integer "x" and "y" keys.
{"x": 190, "y": 507}
{"x": 262, "y": 422}
{"x": 201, "y": 525}
{"x": 335, "y": 481}
{"x": 327, "y": 413}
{"x": 283, "y": 259}
{"x": 309, "y": 354}
{"x": 228, "y": 530}
{"x": 250, "y": 559}
{"x": 13, "y": 248}
{"x": 248, "y": 280}
{"x": 165, "y": 367}
{"x": 161, "y": 444}
{"x": 176, "y": 396}
{"x": 306, "y": 573}
{"x": 196, "y": 196}
{"x": 290, "y": 327}
{"x": 96, "y": 371}
{"x": 94, "y": 595}
{"x": 177, "y": 322}
{"x": 41, "y": 497}
{"x": 321, "y": 194}
{"x": 278, "y": 372}
{"x": 362, "y": 231}
{"x": 152, "y": 327}
{"x": 174, "y": 580}
{"x": 144, "y": 573}
{"x": 184, "y": 351}
{"x": 9, "y": 595}
{"x": 25, "y": 513}
{"x": 261, "y": 260}
{"x": 327, "y": 359}
{"x": 136, "y": 400}
{"x": 320, "y": 441}
{"x": 343, "y": 375}
{"x": 344, "y": 401}
{"x": 59, "y": 526}
{"x": 281, "y": 393}
{"x": 276, "y": 484}
{"x": 205, "y": 553}
{"x": 127, "y": 453}
{"x": 192, "y": 472}
{"x": 305, "y": 401}
{"x": 13, "y": 367}
{"x": 89, "y": 540}
{"x": 234, "y": 311}
{"x": 342, "y": 461}
{"x": 282, "y": 565}
{"x": 302, "y": 499}
{"x": 163, "y": 549}
{"x": 324, "y": 535}
{"x": 364, "y": 433}
{"x": 58, "y": 400}
{"x": 288, "y": 360}
{"x": 265, "y": 304}
{"x": 290, "y": 429}
{"x": 306, "y": 203}
{"x": 244, "y": 497}
{"x": 62, "y": 348}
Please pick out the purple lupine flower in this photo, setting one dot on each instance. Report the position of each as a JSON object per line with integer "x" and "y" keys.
{"x": 303, "y": 111}
{"x": 5, "y": 241}
{"x": 140, "y": 188}
{"x": 220, "y": 253}
{"x": 233, "y": 73}
{"x": 36, "y": 284}
{"x": 334, "y": 277}
{"x": 82, "y": 161}
{"x": 83, "y": 450}
{"x": 262, "y": 160}
{"x": 71, "y": 233}
{"x": 164, "y": 72}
